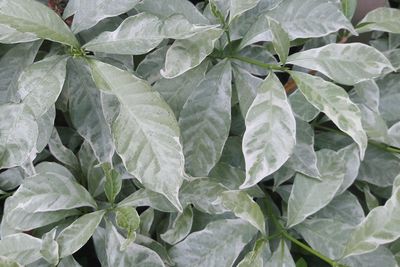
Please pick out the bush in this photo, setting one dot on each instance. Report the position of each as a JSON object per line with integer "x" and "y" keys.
{"x": 230, "y": 133}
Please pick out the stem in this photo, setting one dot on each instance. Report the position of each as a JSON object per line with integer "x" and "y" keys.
{"x": 258, "y": 63}
{"x": 385, "y": 147}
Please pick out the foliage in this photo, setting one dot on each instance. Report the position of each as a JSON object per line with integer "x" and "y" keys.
{"x": 230, "y": 133}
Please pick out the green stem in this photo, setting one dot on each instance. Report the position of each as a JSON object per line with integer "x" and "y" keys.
{"x": 385, "y": 147}
{"x": 258, "y": 63}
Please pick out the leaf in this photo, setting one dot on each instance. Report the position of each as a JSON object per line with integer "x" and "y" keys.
{"x": 176, "y": 91}
{"x": 238, "y": 7}
{"x": 89, "y": 13}
{"x": 167, "y": 8}
{"x": 309, "y": 18}
{"x": 49, "y": 249}
{"x": 378, "y": 228}
{"x": 41, "y": 83}
{"x": 18, "y": 134}
{"x": 113, "y": 183}
{"x": 128, "y": 219}
{"x": 31, "y": 17}
{"x": 133, "y": 255}
{"x": 72, "y": 238}
{"x": 379, "y": 257}
{"x": 205, "y": 120}
{"x": 244, "y": 207}
{"x": 246, "y": 86}
{"x": 270, "y": 132}
{"x": 349, "y": 8}
{"x": 304, "y": 158}
{"x": 335, "y": 103}
{"x": 6, "y": 262}
{"x": 219, "y": 244}
{"x": 158, "y": 161}
{"x": 144, "y": 197}
{"x": 51, "y": 191}
{"x": 136, "y": 35}
{"x": 184, "y": 55}
{"x": 45, "y": 126}
{"x": 281, "y": 257}
{"x": 310, "y": 195}
{"x": 180, "y": 226}
{"x": 68, "y": 262}
{"x": 10, "y": 35}
{"x": 344, "y": 63}
{"x": 87, "y": 115}
{"x": 21, "y": 247}
{"x": 258, "y": 256}
{"x": 12, "y": 64}
{"x": 380, "y": 19}
{"x": 327, "y": 236}
{"x": 280, "y": 40}
{"x": 352, "y": 161}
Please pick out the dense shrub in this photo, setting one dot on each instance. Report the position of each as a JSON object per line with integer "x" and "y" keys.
{"x": 226, "y": 133}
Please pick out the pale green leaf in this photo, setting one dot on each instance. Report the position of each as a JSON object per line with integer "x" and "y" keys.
{"x": 180, "y": 226}
{"x": 35, "y": 18}
{"x": 301, "y": 107}
{"x": 280, "y": 39}
{"x": 149, "y": 68}
{"x": 379, "y": 227}
{"x": 127, "y": 218}
{"x": 12, "y": 64}
{"x": 371, "y": 201}
{"x": 205, "y": 120}
{"x": 176, "y": 91}
{"x": 68, "y": 261}
{"x": 18, "y": 134}
{"x": 166, "y": 8}
{"x": 258, "y": 256}
{"x": 49, "y": 249}
{"x": 41, "y": 83}
{"x": 379, "y": 257}
{"x": 218, "y": 244}
{"x": 133, "y": 255}
{"x": 89, "y": 13}
{"x": 10, "y": 35}
{"x": 349, "y": 7}
{"x": 45, "y": 126}
{"x": 72, "y": 238}
{"x": 270, "y": 134}
{"x": 309, "y": 18}
{"x": 244, "y": 207}
{"x": 310, "y": 195}
{"x": 144, "y": 197}
{"x": 136, "y": 35}
{"x": 281, "y": 257}
{"x": 158, "y": 161}
{"x": 238, "y": 7}
{"x": 335, "y": 103}
{"x": 380, "y": 19}
{"x": 6, "y": 262}
{"x": 86, "y": 111}
{"x": 344, "y": 63}
{"x": 113, "y": 183}
{"x": 22, "y": 248}
{"x": 187, "y": 54}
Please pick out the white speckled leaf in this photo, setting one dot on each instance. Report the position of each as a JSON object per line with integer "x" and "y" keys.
{"x": 380, "y": 19}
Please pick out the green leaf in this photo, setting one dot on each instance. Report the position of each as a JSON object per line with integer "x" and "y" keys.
{"x": 22, "y": 248}
{"x": 244, "y": 207}
{"x": 136, "y": 35}
{"x": 270, "y": 134}
{"x": 238, "y": 7}
{"x": 184, "y": 55}
{"x": 158, "y": 161}
{"x": 6, "y": 262}
{"x": 180, "y": 226}
{"x": 352, "y": 161}
{"x": 89, "y": 13}
{"x": 310, "y": 195}
{"x": 379, "y": 257}
{"x": 349, "y": 8}
{"x": 41, "y": 83}
{"x": 113, "y": 183}
{"x": 72, "y": 238}
{"x": 335, "y": 103}
{"x": 380, "y": 19}
{"x": 280, "y": 39}
{"x": 379, "y": 227}
{"x": 309, "y": 18}
{"x": 10, "y": 35}
{"x": 128, "y": 219}
{"x": 281, "y": 257}
{"x": 344, "y": 63}
{"x": 31, "y": 17}
{"x": 258, "y": 256}
{"x": 133, "y": 255}
{"x": 205, "y": 120}
{"x": 176, "y": 91}
{"x": 219, "y": 244}
{"x": 12, "y": 64}
{"x": 86, "y": 112}
{"x": 167, "y": 8}
{"x": 18, "y": 134}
